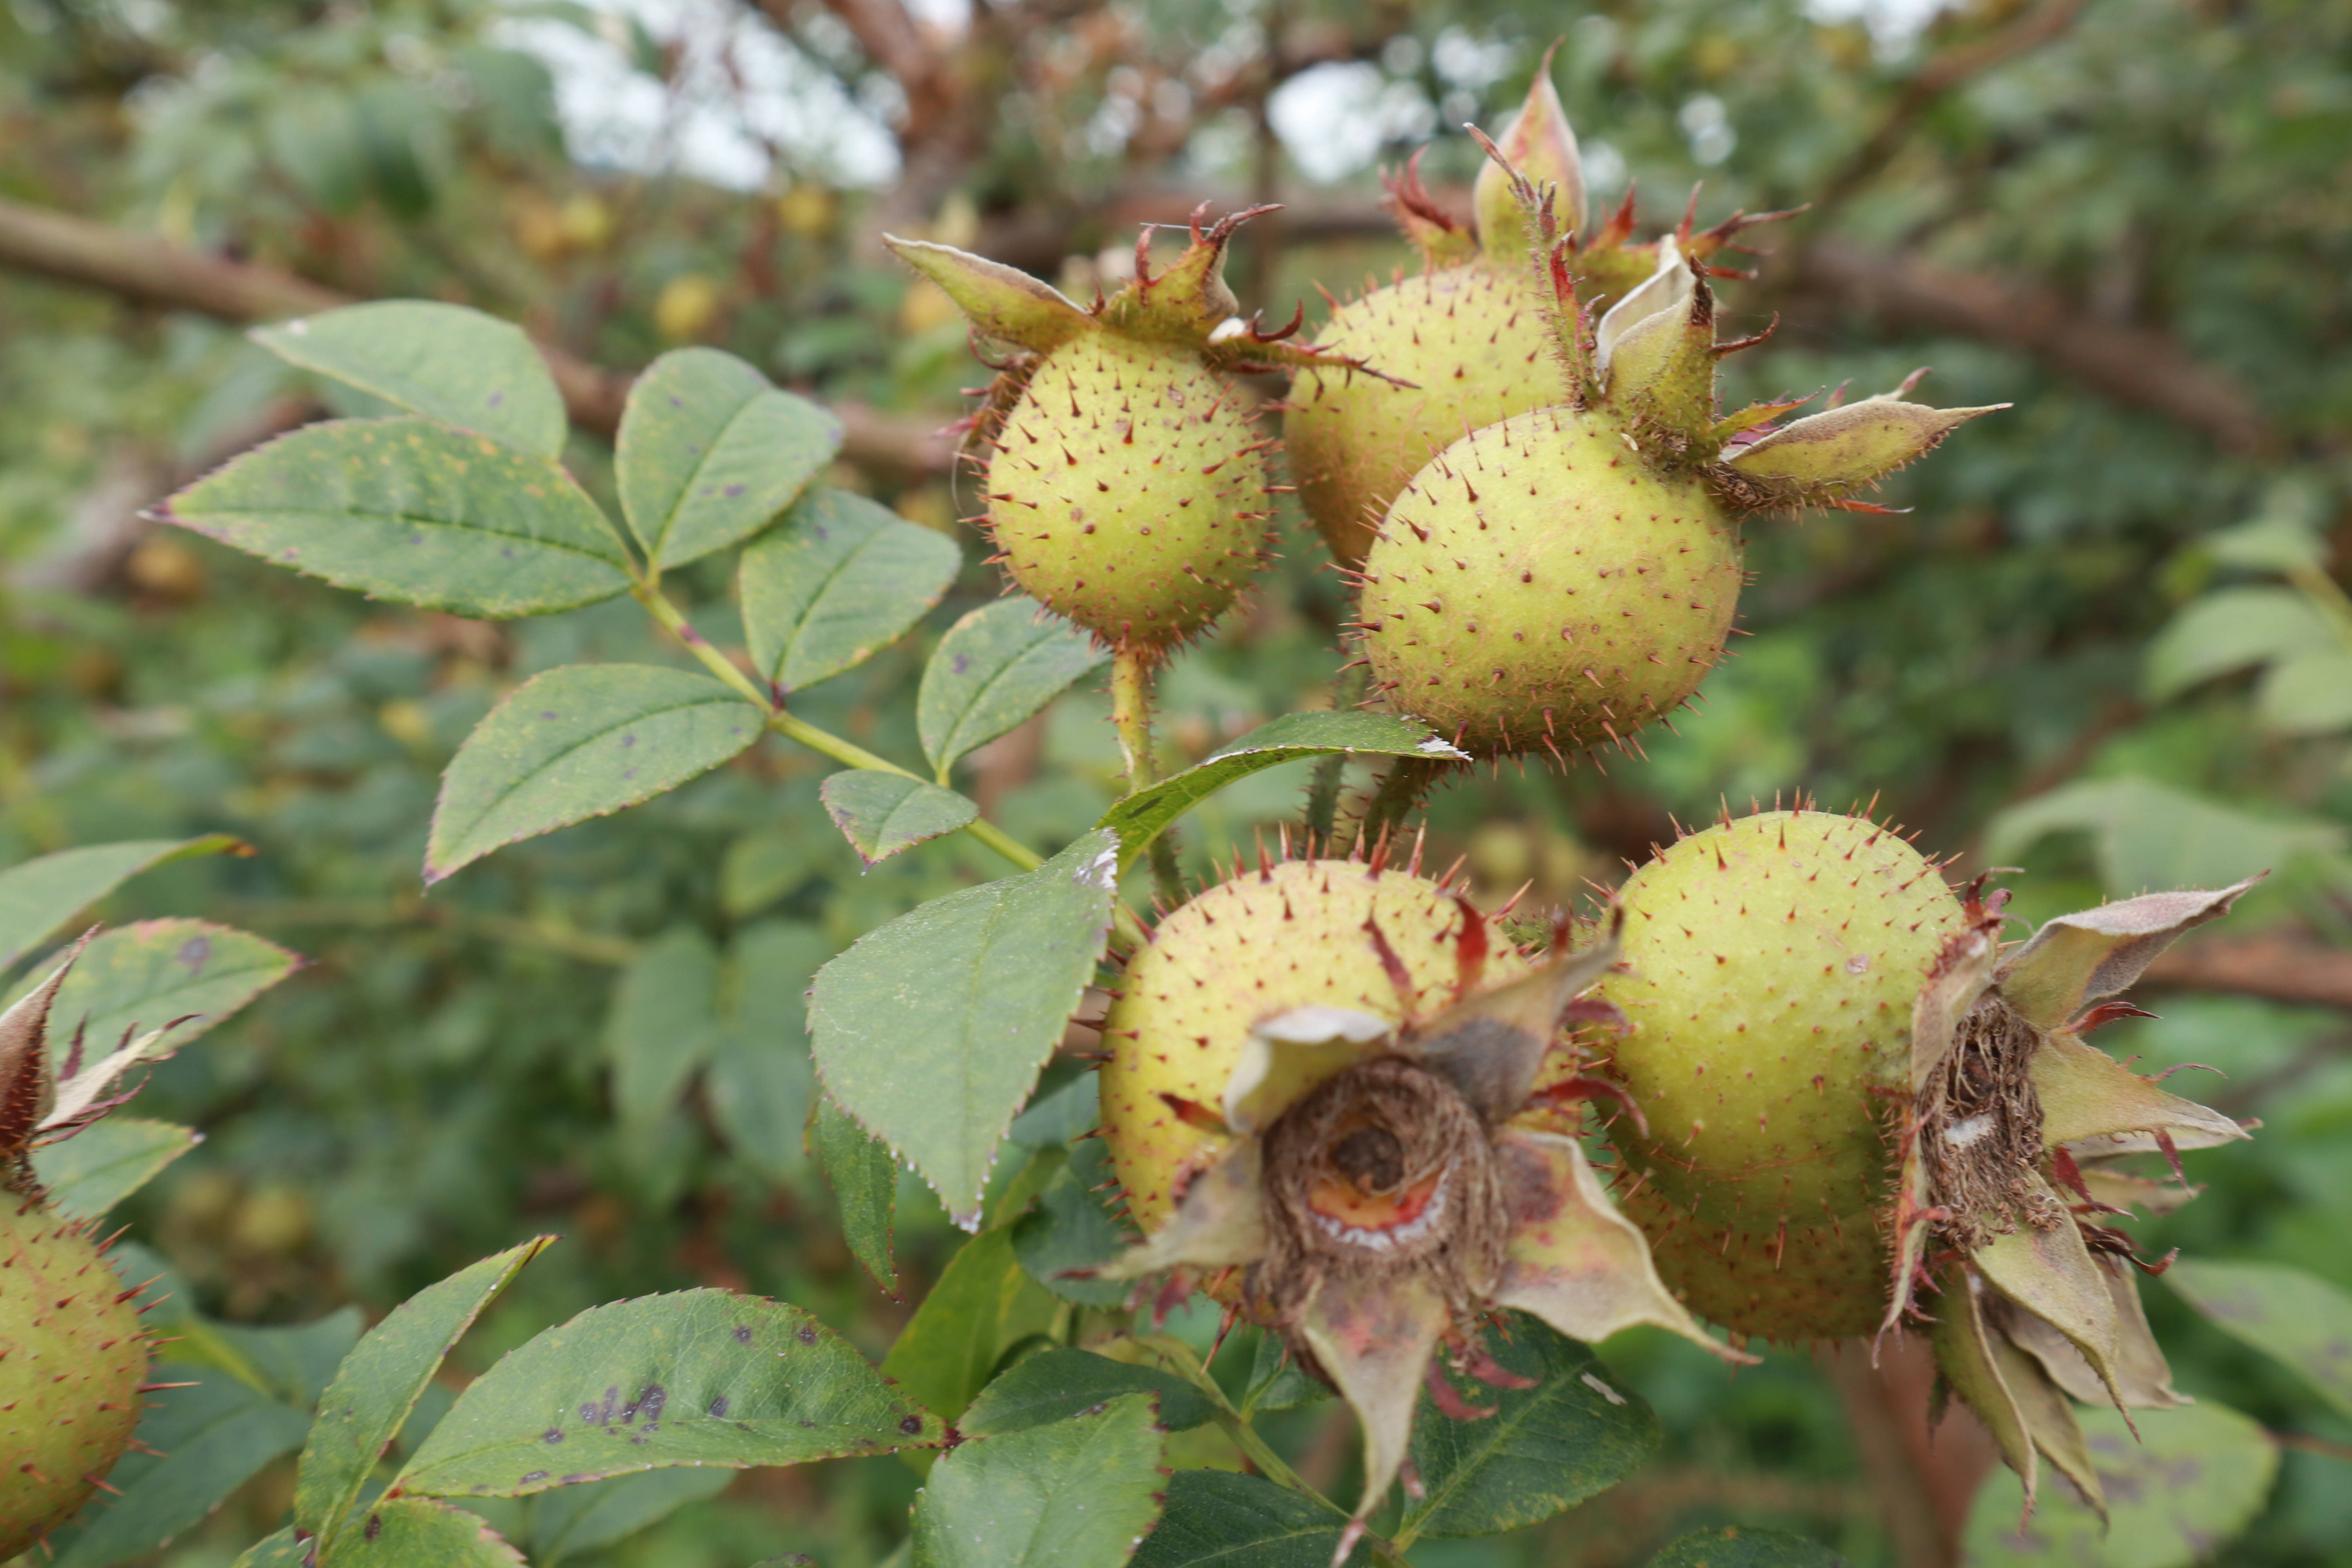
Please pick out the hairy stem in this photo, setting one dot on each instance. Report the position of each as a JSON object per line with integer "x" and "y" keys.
{"x": 1130, "y": 716}
{"x": 1409, "y": 779}
{"x": 1323, "y": 786}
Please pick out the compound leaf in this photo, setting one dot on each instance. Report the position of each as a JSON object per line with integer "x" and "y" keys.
{"x": 996, "y": 668}
{"x": 709, "y": 451}
{"x": 1079, "y": 1494}
{"x": 881, "y": 814}
{"x": 838, "y": 581}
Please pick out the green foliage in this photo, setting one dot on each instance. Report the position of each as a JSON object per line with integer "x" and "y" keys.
{"x": 1240, "y": 1522}
{"x": 708, "y": 453}
{"x": 1076, "y": 1493}
{"x": 1546, "y": 1448}
{"x": 447, "y": 364}
{"x": 578, "y": 743}
{"x": 1733, "y": 1547}
{"x": 415, "y": 513}
{"x": 184, "y": 976}
{"x": 837, "y": 582}
{"x": 882, "y": 814}
{"x": 2303, "y": 1321}
{"x": 378, "y": 1384}
{"x": 981, "y": 1306}
{"x": 697, "y": 1377}
{"x": 2189, "y": 1477}
{"x": 865, "y": 1180}
{"x": 1061, "y": 1383}
{"x": 994, "y": 668}
{"x": 89, "y": 1174}
{"x": 930, "y": 1031}
{"x": 39, "y": 895}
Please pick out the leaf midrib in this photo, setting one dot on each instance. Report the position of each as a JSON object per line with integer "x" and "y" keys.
{"x": 955, "y": 730}
{"x": 407, "y": 519}
{"x": 659, "y": 545}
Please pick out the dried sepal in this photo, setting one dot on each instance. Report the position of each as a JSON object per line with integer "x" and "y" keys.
{"x": 1219, "y": 1222}
{"x": 1442, "y": 241}
{"x": 29, "y": 1076}
{"x": 1490, "y": 1046}
{"x": 2143, "y": 1379}
{"x": 1829, "y": 455}
{"x": 1001, "y": 302}
{"x": 1541, "y": 143}
{"x": 2078, "y": 960}
{"x": 2026, "y": 1412}
{"x": 1962, "y": 971}
{"x": 2086, "y": 1094}
{"x": 2046, "y": 1271}
{"x": 1374, "y": 1337}
{"x": 2123, "y": 1189}
{"x": 1572, "y": 1260}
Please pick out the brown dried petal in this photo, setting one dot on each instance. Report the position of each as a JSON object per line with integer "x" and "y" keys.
{"x": 1221, "y": 1220}
{"x": 1374, "y": 1335}
{"x": 2143, "y": 1378}
{"x": 1490, "y": 1046}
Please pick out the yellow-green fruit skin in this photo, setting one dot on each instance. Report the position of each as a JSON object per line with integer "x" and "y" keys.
{"x": 1818, "y": 1282}
{"x": 1769, "y": 968}
{"x": 1471, "y": 341}
{"x": 1538, "y": 586}
{"x": 71, "y": 1360}
{"x": 1125, "y": 492}
{"x": 1241, "y": 952}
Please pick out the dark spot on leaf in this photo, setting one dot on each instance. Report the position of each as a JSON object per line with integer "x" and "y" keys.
{"x": 195, "y": 953}
{"x": 546, "y": 713}
{"x": 733, "y": 490}
{"x": 806, "y": 1334}
{"x": 649, "y": 1404}
{"x": 962, "y": 663}
{"x": 374, "y": 1526}
{"x": 531, "y": 1475}
{"x": 628, "y": 740}
{"x": 497, "y": 398}
{"x": 552, "y": 1434}
{"x": 576, "y": 1477}
{"x": 744, "y": 1334}
{"x": 911, "y": 1425}
{"x": 718, "y": 1406}
{"x": 591, "y": 1412}
{"x": 415, "y": 539}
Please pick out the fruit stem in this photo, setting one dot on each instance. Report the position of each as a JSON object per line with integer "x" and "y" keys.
{"x": 1408, "y": 780}
{"x": 1130, "y": 715}
{"x": 794, "y": 727}
{"x": 1323, "y": 785}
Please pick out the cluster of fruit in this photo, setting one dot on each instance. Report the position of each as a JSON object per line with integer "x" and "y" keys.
{"x": 1338, "y": 1097}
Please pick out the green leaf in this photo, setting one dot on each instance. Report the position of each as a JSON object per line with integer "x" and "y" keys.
{"x": 981, "y": 1306}
{"x": 838, "y": 581}
{"x": 294, "y": 1364}
{"x": 409, "y": 511}
{"x": 1739, "y": 1546}
{"x": 2308, "y": 694}
{"x": 1078, "y": 1494}
{"x": 1216, "y": 1518}
{"x": 140, "y": 978}
{"x": 1064, "y": 1116}
{"x": 210, "y": 1438}
{"x": 1059, "y": 1384}
{"x": 448, "y": 364}
{"x": 1145, "y": 815}
{"x": 760, "y": 1082}
{"x": 2229, "y": 630}
{"x": 662, "y": 1025}
{"x": 574, "y": 1520}
{"x": 1072, "y": 1227}
{"x": 379, "y": 1383}
{"x": 2147, "y": 835}
{"x": 996, "y": 668}
{"x": 2192, "y": 1479}
{"x": 2281, "y": 1311}
{"x": 279, "y": 1551}
{"x": 1576, "y": 1433}
{"x": 1276, "y": 1381}
{"x": 865, "y": 1183}
{"x": 930, "y": 1031}
{"x": 418, "y": 1532}
{"x": 107, "y": 1161}
{"x": 881, "y": 814}
{"x": 710, "y": 451}
{"x": 37, "y": 896}
{"x": 584, "y": 740}
{"x": 697, "y": 1377}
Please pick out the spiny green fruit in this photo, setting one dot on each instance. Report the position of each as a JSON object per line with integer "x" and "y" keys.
{"x": 72, "y": 1353}
{"x": 1288, "y": 935}
{"x": 72, "y": 1356}
{"x": 1466, "y": 336}
{"x": 1771, "y": 964}
{"x": 1125, "y": 475}
{"x": 1816, "y": 1282}
{"x": 1562, "y": 579}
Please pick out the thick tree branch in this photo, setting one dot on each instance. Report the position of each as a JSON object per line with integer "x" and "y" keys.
{"x": 153, "y": 272}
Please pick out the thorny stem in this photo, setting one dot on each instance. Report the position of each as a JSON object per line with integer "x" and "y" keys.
{"x": 1408, "y": 780}
{"x": 794, "y": 728}
{"x": 1323, "y": 788}
{"x": 1130, "y": 716}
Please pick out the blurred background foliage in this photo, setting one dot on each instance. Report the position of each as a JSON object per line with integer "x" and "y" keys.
{"x": 2109, "y": 641}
